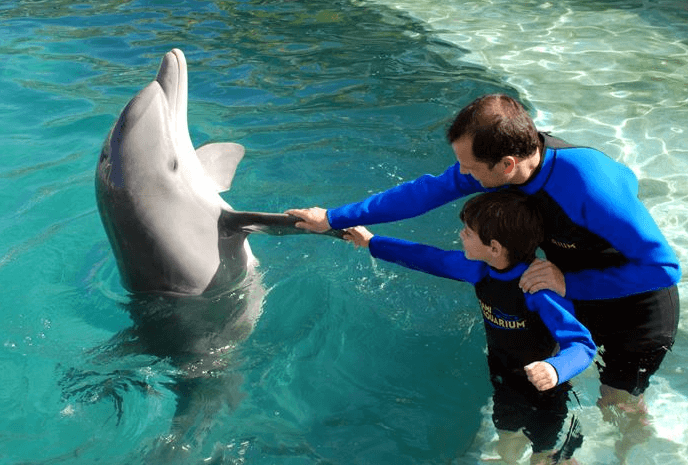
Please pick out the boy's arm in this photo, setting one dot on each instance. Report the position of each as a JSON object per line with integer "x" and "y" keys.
{"x": 359, "y": 235}
{"x": 576, "y": 348}
{"x": 451, "y": 264}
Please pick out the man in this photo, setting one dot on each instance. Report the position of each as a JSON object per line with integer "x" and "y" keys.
{"x": 604, "y": 251}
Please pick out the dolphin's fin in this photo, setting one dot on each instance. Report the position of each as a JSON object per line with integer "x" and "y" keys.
{"x": 275, "y": 224}
{"x": 220, "y": 162}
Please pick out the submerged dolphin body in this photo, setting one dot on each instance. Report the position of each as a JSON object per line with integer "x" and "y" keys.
{"x": 159, "y": 201}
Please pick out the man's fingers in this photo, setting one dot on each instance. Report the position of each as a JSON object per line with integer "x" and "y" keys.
{"x": 299, "y": 213}
{"x": 314, "y": 219}
{"x": 527, "y": 283}
{"x": 543, "y": 275}
{"x": 532, "y": 288}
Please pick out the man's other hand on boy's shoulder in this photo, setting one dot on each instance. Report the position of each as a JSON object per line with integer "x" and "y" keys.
{"x": 543, "y": 274}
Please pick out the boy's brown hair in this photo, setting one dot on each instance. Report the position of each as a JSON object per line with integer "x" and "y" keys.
{"x": 508, "y": 217}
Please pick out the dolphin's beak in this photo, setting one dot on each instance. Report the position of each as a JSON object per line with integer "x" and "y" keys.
{"x": 172, "y": 77}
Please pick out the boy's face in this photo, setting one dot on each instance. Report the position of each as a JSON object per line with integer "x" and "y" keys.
{"x": 473, "y": 246}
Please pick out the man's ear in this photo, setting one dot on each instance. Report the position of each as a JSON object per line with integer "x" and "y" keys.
{"x": 509, "y": 164}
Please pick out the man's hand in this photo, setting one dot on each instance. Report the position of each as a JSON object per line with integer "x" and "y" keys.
{"x": 543, "y": 274}
{"x": 314, "y": 219}
{"x": 542, "y": 375}
{"x": 359, "y": 235}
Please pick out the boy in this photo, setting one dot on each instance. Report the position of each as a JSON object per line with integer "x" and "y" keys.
{"x": 535, "y": 344}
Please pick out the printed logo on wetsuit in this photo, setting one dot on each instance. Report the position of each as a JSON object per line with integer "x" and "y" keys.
{"x": 563, "y": 245}
{"x": 499, "y": 320}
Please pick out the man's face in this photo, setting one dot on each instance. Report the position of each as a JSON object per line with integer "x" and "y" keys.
{"x": 486, "y": 176}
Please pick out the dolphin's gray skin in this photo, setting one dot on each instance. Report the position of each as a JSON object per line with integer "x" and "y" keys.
{"x": 159, "y": 201}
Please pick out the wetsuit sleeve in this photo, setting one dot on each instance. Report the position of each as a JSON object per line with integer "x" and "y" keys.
{"x": 608, "y": 205}
{"x": 451, "y": 264}
{"x": 406, "y": 200}
{"x": 576, "y": 348}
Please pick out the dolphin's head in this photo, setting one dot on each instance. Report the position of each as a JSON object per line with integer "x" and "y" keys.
{"x": 157, "y": 206}
{"x": 145, "y": 143}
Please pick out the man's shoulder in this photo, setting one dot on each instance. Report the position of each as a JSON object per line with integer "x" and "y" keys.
{"x": 561, "y": 146}
{"x": 585, "y": 163}
{"x": 553, "y": 142}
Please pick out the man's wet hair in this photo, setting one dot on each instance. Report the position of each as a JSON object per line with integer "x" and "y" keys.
{"x": 509, "y": 217}
{"x": 500, "y": 127}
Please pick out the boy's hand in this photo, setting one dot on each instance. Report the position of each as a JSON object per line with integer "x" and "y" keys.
{"x": 314, "y": 219}
{"x": 359, "y": 235}
{"x": 542, "y": 375}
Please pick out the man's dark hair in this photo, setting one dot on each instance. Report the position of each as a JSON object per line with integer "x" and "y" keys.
{"x": 500, "y": 127}
{"x": 508, "y": 217}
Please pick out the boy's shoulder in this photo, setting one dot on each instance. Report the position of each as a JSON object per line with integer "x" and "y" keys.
{"x": 512, "y": 273}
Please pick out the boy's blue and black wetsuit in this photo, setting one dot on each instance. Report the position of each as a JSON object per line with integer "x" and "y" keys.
{"x": 520, "y": 329}
{"x": 620, "y": 271}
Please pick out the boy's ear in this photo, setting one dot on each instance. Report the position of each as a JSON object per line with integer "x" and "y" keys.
{"x": 499, "y": 253}
{"x": 496, "y": 248}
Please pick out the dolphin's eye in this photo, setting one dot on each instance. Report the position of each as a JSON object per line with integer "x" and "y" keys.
{"x": 174, "y": 164}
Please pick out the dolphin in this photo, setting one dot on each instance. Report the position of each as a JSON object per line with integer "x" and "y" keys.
{"x": 158, "y": 197}
{"x": 181, "y": 249}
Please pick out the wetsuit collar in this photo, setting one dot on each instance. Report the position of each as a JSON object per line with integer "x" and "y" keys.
{"x": 509, "y": 274}
{"x": 539, "y": 177}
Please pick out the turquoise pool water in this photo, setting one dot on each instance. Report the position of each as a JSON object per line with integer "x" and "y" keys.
{"x": 352, "y": 361}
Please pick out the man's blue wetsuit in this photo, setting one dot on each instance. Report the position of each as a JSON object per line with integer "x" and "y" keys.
{"x": 619, "y": 269}
{"x": 520, "y": 329}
